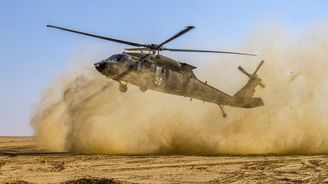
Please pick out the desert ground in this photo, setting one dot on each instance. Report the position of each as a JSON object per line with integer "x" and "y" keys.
{"x": 22, "y": 162}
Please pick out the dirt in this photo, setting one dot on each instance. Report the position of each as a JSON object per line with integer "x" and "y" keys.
{"x": 22, "y": 162}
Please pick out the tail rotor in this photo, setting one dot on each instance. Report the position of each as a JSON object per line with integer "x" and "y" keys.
{"x": 253, "y": 76}
{"x": 244, "y": 97}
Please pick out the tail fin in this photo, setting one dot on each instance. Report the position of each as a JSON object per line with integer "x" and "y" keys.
{"x": 244, "y": 97}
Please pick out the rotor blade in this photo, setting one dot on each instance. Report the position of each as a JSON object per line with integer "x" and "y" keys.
{"x": 188, "y": 28}
{"x": 207, "y": 51}
{"x": 100, "y": 37}
{"x": 138, "y": 49}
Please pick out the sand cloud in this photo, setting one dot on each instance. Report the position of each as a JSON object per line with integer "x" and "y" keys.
{"x": 85, "y": 112}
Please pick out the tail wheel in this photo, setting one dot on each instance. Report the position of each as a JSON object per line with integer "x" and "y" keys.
{"x": 222, "y": 111}
{"x": 143, "y": 88}
{"x": 123, "y": 88}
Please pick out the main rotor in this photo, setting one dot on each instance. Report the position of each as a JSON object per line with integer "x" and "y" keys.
{"x": 152, "y": 48}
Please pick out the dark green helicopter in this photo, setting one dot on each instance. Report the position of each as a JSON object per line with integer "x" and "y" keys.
{"x": 144, "y": 67}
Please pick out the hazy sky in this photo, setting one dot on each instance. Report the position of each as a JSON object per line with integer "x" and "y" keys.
{"x": 32, "y": 55}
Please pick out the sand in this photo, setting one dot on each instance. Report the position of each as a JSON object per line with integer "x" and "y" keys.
{"x": 22, "y": 162}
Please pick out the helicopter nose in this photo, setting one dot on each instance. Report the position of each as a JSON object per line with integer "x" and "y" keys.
{"x": 100, "y": 66}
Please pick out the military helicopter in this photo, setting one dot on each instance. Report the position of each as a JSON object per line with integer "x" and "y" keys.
{"x": 144, "y": 67}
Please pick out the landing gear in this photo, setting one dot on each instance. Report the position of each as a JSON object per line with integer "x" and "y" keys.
{"x": 123, "y": 87}
{"x": 142, "y": 88}
{"x": 223, "y": 113}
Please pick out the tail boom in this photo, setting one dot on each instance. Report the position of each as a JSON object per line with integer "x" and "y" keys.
{"x": 244, "y": 97}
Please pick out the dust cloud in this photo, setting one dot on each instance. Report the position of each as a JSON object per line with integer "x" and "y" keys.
{"x": 85, "y": 112}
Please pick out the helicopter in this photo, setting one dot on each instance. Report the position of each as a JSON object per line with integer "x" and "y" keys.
{"x": 144, "y": 67}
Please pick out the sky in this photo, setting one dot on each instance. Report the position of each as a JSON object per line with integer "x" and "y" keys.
{"x": 32, "y": 55}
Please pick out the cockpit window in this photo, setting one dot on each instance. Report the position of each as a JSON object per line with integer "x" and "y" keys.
{"x": 118, "y": 58}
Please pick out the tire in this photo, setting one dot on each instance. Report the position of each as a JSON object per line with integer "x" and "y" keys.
{"x": 123, "y": 88}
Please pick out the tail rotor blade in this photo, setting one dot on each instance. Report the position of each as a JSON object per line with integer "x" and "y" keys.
{"x": 244, "y": 72}
{"x": 262, "y": 85}
{"x": 258, "y": 67}
{"x": 254, "y": 74}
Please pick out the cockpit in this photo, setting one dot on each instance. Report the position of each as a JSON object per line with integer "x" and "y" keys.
{"x": 120, "y": 58}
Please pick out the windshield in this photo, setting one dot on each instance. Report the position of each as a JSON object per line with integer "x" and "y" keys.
{"x": 118, "y": 58}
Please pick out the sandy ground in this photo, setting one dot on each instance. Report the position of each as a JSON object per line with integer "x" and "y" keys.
{"x": 22, "y": 162}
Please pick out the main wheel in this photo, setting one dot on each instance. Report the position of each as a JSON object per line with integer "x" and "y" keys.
{"x": 123, "y": 88}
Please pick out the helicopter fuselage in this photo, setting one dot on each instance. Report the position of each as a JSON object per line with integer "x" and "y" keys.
{"x": 160, "y": 73}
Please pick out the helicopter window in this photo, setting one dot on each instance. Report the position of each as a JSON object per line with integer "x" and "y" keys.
{"x": 118, "y": 58}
